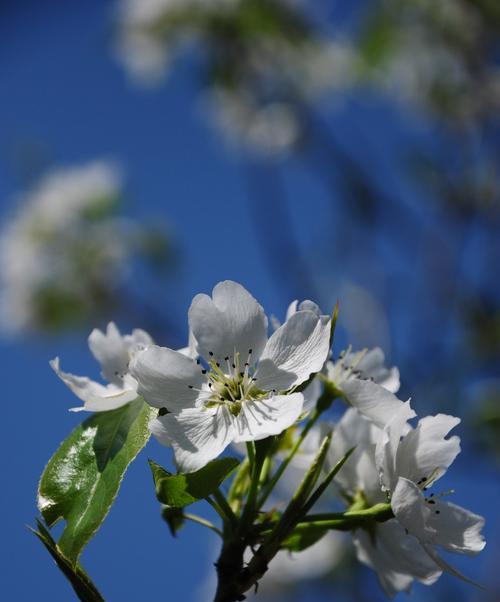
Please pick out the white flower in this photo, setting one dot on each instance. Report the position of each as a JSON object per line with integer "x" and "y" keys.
{"x": 397, "y": 557}
{"x": 366, "y": 384}
{"x": 402, "y": 462}
{"x": 42, "y": 245}
{"x": 410, "y": 461}
{"x": 113, "y": 351}
{"x": 244, "y": 390}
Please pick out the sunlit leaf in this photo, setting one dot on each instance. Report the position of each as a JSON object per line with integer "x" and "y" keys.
{"x": 81, "y": 480}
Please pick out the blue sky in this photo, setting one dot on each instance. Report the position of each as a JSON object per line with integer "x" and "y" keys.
{"x": 66, "y": 101}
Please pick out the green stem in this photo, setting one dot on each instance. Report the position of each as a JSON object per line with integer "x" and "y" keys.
{"x": 326, "y": 482}
{"x": 239, "y": 486}
{"x": 201, "y": 521}
{"x": 251, "y": 504}
{"x": 222, "y": 508}
{"x": 282, "y": 467}
{"x": 341, "y": 520}
{"x": 264, "y": 473}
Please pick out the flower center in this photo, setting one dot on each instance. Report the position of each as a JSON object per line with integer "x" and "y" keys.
{"x": 231, "y": 382}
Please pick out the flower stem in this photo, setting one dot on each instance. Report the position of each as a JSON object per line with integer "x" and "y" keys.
{"x": 282, "y": 467}
{"x": 222, "y": 508}
{"x": 342, "y": 521}
{"x": 251, "y": 504}
{"x": 201, "y": 521}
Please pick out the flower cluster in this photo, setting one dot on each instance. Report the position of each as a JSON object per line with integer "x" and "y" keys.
{"x": 263, "y": 61}
{"x": 234, "y": 384}
{"x": 63, "y": 252}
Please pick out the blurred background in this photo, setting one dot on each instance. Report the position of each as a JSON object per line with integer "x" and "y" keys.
{"x": 328, "y": 150}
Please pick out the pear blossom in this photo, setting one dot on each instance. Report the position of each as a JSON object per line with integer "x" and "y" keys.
{"x": 360, "y": 378}
{"x": 113, "y": 351}
{"x": 409, "y": 462}
{"x": 397, "y": 558}
{"x": 243, "y": 385}
{"x": 399, "y": 463}
{"x": 365, "y": 383}
{"x": 42, "y": 243}
{"x": 260, "y": 109}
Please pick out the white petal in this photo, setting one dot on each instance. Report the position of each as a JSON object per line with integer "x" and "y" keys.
{"x": 292, "y": 309}
{"x": 457, "y": 529}
{"x": 311, "y": 395}
{"x": 411, "y": 510}
{"x": 397, "y": 557}
{"x": 387, "y": 445}
{"x": 306, "y": 305}
{"x": 372, "y": 400}
{"x": 138, "y": 340}
{"x": 447, "y": 567}
{"x": 372, "y": 365}
{"x": 197, "y": 435}
{"x": 296, "y": 350}
{"x": 359, "y": 471}
{"x": 425, "y": 453}
{"x": 266, "y": 417}
{"x": 96, "y": 397}
{"x": 166, "y": 376}
{"x": 110, "y": 351}
{"x": 228, "y": 323}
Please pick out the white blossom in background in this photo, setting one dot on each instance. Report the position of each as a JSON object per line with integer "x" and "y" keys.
{"x": 258, "y": 110}
{"x": 242, "y": 388}
{"x": 400, "y": 463}
{"x": 113, "y": 351}
{"x": 288, "y": 568}
{"x": 430, "y": 67}
{"x": 144, "y": 46}
{"x": 56, "y": 244}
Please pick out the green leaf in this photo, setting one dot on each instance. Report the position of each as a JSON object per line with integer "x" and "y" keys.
{"x": 180, "y": 490}
{"x": 80, "y": 581}
{"x": 174, "y": 517}
{"x": 302, "y": 539}
{"x": 81, "y": 480}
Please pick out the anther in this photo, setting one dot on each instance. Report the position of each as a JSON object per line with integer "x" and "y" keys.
{"x": 211, "y": 353}
{"x": 226, "y": 359}
{"x": 438, "y": 511}
{"x": 203, "y": 371}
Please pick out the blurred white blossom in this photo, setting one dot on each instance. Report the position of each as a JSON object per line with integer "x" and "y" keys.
{"x": 61, "y": 251}
{"x": 263, "y": 61}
